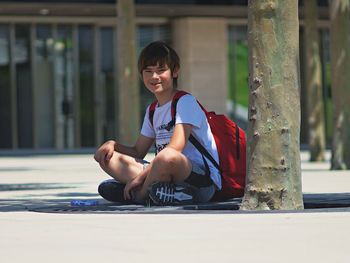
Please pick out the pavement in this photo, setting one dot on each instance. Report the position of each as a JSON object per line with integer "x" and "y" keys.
{"x": 32, "y": 231}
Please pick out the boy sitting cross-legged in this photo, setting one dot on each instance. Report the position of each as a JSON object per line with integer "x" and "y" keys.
{"x": 179, "y": 174}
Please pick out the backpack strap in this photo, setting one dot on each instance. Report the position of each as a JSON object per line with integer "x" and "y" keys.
{"x": 175, "y": 99}
{"x": 192, "y": 139}
{"x": 237, "y": 143}
{"x": 203, "y": 151}
{"x": 174, "y": 102}
{"x": 151, "y": 111}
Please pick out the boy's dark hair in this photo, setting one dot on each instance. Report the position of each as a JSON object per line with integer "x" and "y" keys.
{"x": 159, "y": 53}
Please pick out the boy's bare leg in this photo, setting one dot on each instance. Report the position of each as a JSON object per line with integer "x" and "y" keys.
{"x": 168, "y": 165}
{"x": 122, "y": 167}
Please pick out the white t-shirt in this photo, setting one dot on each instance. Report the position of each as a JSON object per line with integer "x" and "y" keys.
{"x": 188, "y": 112}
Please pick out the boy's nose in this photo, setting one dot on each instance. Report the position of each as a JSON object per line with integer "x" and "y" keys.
{"x": 155, "y": 75}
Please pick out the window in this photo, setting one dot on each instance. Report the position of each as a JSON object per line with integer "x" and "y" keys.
{"x": 238, "y": 72}
{"x": 5, "y": 89}
{"x": 23, "y": 69}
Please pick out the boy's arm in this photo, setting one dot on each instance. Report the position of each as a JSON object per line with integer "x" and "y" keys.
{"x": 180, "y": 136}
{"x": 139, "y": 150}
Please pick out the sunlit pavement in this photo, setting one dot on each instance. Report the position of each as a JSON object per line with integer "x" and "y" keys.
{"x": 30, "y": 181}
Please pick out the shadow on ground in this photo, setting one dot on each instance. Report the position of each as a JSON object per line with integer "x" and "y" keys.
{"x": 330, "y": 202}
{"x": 33, "y": 186}
{"x": 31, "y": 195}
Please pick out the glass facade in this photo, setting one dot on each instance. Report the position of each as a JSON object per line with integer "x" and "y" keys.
{"x": 59, "y": 89}
{"x": 43, "y": 87}
{"x": 238, "y": 74}
{"x": 58, "y": 81}
{"x": 64, "y": 87}
{"x": 24, "y": 91}
{"x": 106, "y": 83}
{"x": 183, "y": 2}
{"x": 5, "y": 89}
{"x": 86, "y": 85}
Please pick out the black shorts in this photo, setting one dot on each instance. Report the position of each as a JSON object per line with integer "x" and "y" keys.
{"x": 200, "y": 178}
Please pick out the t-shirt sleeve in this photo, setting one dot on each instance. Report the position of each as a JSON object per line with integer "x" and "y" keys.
{"x": 147, "y": 129}
{"x": 188, "y": 111}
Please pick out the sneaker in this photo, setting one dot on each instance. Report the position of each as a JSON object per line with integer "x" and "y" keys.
{"x": 112, "y": 191}
{"x": 166, "y": 193}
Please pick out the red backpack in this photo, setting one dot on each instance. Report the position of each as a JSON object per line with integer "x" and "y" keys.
{"x": 231, "y": 145}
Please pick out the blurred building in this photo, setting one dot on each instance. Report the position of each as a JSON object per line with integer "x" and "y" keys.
{"x": 58, "y": 85}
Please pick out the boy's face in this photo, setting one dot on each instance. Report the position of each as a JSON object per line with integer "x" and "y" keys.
{"x": 158, "y": 79}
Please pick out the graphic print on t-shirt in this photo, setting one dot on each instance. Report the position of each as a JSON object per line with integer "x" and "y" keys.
{"x": 163, "y": 136}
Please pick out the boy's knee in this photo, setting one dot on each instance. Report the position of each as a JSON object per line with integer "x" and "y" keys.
{"x": 167, "y": 156}
{"x": 117, "y": 158}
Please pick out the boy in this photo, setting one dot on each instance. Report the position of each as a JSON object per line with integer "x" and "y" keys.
{"x": 179, "y": 174}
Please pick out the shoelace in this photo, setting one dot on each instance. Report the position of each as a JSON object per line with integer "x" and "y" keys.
{"x": 166, "y": 193}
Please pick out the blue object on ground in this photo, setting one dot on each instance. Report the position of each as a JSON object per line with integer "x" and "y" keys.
{"x": 84, "y": 203}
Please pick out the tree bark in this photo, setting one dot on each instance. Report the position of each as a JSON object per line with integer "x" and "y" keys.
{"x": 315, "y": 106}
{"x": 128, "y": 86}
{"x": 340, "y": 78}
{"x": 273, "y": 167}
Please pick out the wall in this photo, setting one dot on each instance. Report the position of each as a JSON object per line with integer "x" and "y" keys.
{"x": 202, "y": 46}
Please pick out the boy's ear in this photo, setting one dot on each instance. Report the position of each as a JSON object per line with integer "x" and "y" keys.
{"x": 176, "y": 73}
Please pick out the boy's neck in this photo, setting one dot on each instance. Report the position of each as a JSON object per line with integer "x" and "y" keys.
{"x": 166, "y": 97}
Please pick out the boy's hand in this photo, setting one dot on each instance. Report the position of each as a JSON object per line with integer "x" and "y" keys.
{"x": 136, "y": 182}
{"x": 105, "y": 152}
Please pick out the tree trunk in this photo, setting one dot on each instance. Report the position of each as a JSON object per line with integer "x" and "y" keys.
{"x": 340, "y": 70}
{"x": 128, "y": 86}
{"x": 273, "y": 167}
{"x": 315, "y": 107}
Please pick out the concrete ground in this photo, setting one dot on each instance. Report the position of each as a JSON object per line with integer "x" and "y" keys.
{"x": 32, "y": 181}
